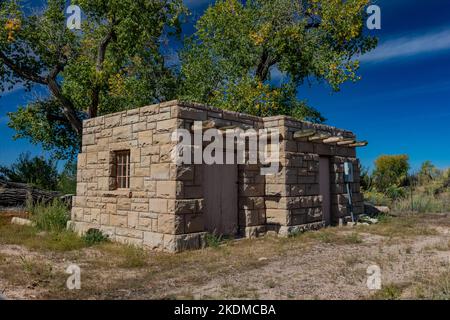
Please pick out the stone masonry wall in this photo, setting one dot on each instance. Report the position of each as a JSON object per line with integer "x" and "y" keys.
{"x": 293, "y": 199}
{"x": 164, "y": 207}
{"x": 145, "y": 213}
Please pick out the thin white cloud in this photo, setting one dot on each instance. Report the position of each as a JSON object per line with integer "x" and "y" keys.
{"x": 410, "y": 46}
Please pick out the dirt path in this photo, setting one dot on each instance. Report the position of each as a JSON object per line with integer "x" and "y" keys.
{"x": 328, "y": 271}
{"x": 413, "y": 255}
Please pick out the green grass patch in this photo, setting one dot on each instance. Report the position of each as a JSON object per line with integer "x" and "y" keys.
{"x": 213, "y": 240}
{"x": 388, "y": 292}
{"x": 33, "y": 238}
{"x": 51, "y": 217}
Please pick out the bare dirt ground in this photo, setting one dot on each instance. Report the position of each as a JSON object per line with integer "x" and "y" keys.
{"x": 413, "y": 253}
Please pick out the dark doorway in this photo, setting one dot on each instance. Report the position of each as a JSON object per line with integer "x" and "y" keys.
{"x": 324, "y": 181}
{"x": 220, "y": 192}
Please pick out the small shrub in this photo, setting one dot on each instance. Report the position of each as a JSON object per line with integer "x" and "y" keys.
{"x": 213, "y": 240}
{"x": 394, "y": 192}
{"x": 49, "y": 217}
{"x": 94, "y": 236}
{"x": 434, "y": 188}
{"x": 389, "y": 292}
{"x": 296, "y": 233}
{"x": 377, "y": 198}
{"x": 384, "y": 218}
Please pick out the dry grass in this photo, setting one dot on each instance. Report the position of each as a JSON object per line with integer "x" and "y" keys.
{"x": 423, "y": 202}
{"x": 31, "y": 273}
{"x": 402, "y": 227}
{"x": 440, "y": 246}
{"x": 434, "y": 287}
{"x": 114, "y": 271}
{"x": 331, "y": 235}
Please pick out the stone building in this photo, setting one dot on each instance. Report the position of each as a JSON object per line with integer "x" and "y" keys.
{"x": 129, "y": 187}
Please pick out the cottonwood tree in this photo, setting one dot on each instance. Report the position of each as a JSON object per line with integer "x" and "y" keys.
{"x": 113, "y": 63}
{"x": 391, "y": 171}
{"x": 240, "y": 46}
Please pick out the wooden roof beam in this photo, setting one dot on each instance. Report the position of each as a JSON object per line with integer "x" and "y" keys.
{"x": 346, "y": 142}
{"x": 359, "y": 144}
{"x": 304, "y": 134}
{"x": 333, "y": 140}
{"x": 319, "y": 137}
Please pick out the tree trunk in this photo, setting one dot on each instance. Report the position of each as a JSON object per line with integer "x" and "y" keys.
{"x": 67, "y": 106}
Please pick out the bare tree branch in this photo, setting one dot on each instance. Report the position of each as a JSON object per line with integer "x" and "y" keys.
{"x": 68, "y": 107}
{"x": 22, "y": 71}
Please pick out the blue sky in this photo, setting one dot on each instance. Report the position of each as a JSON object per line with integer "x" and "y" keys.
{"x": 401, "y": 105}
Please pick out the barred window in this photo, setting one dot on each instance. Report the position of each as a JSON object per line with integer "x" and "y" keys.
{"x": 122, "y": 169}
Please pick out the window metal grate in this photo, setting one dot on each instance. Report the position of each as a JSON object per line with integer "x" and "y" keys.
{"x": 122, "y": 169}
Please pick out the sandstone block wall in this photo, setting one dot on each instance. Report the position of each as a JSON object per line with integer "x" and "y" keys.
{"x": 148, "y": 213}
{"x": 164, "y": 206}
{"x": 293, "y": 199}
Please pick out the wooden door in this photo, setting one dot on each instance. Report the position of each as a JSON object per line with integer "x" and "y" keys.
{"x": 324, "y": 180}
{"x": 220, "y": 191}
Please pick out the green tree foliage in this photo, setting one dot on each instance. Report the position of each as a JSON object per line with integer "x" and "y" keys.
{"x": 428, "y": 172}
{"x": 115, "y": 62}
{"x": 51, "y": 217}
{"x": 36, "y": 171}
{"x": 390, "y": 172}
{"x": 240, "y": 45}
{"x": 433, "y": 180}
{"x": 67, "y": 180}
{"x": 366, "y": 178}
